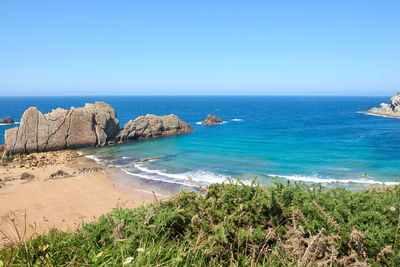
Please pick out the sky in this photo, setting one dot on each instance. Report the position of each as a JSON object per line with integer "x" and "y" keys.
{"x": 101, "y": 47}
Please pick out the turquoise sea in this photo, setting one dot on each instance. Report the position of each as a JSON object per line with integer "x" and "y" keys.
{"x": 311, "y": 139}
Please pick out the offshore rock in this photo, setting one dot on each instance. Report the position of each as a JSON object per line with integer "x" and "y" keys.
{"x": 388, "y": 110}
{"x": 92, "y": 125}
{"x": 150, "y": 126}
{"x": 7, "y": 120}
{"x": 211, "y": 120}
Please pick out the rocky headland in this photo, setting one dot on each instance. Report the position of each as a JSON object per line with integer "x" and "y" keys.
{"x": 387, "y": 110}
{"x": 92, "y": 125}
{"x": 211, "y": 120}
{"x": 7, "y": 120}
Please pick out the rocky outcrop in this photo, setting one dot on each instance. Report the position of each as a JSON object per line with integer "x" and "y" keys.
{"x": 150, "y": 126}
{"x": 92, "y": 125}
{"x": 388, "y": 110}
{"x": 211, "y": 120}
{"x": 7, "y": 120}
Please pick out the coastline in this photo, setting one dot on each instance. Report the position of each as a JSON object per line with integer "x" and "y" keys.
{"x": 378, "y": 114}
{"x": 65, "y": 203}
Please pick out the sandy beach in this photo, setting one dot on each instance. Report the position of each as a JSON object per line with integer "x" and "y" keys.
{"x": 78, "y": 192}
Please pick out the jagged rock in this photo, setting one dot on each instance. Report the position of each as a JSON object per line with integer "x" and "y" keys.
{"x": 211, "y": 120}
{"x": 60, "y": 174}
{"x": 27, "y": 176}
{"x": 388, "y": 110}
{"x": 2, "y": 150}
{"x": 92, "y": 125}
{"x": 148, "y": 159}
{"x": 149, "y": 126}
{"x": 7, "y": 120}
{"x": 87, "y": 170}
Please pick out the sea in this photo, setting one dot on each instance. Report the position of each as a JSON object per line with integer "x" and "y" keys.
{"x": 265, "y": 139}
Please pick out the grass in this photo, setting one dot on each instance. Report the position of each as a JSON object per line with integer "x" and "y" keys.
{"x": 233, "y": 225}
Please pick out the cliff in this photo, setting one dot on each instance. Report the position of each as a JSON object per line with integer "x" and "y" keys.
{"x": 92, "y": 125}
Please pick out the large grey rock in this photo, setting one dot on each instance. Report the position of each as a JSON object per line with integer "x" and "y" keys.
{"x": 92, "y": 125}
{"x": 211, "y": 120}
{"x": 388, "y": 110}
{"x": 7, "y": 120}
{"x": 149, "y": 126}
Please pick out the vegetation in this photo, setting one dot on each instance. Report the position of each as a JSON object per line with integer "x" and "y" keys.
{"x": 233, "y": 224}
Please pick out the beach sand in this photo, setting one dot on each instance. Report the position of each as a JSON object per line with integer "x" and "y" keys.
{"x": 64, "y": 203}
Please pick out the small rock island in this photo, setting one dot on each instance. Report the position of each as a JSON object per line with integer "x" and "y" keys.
{"x": 211, "y": 120}
{"x": 7, "y": 120}
{"x": 387, "y": 110}
{"x": 92, "y": 125}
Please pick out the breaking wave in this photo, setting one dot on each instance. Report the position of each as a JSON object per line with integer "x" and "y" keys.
{"x": 315, "y": 179}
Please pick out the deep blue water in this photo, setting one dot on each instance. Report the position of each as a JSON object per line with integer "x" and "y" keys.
{"x": 314, "y": 139}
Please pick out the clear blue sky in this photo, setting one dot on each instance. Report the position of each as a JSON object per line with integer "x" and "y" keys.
{"x": 199, "y": 47}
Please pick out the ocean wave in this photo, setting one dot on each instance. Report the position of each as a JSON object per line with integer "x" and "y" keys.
{"x": 4, "y": 124}
{"x": 378, "y": 115}
{"x": 316, "y": 179}
{"x": 96, "y": 159}
{"x": 201, "y": 123}
{"x": 191, "y": 178}
{"x": 237, "y": 119}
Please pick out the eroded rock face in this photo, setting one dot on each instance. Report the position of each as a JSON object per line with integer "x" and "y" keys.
{"x": 389, "y": 110}
{"x": 149, "y": 126}
{"x": 211, "y": 120}
{"x": 7, "y": 120}
{"x": 92, "y": 125}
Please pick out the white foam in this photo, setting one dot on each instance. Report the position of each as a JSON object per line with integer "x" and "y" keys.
{"x": 201, "y": 123}
{"x": 377, "y": 115}
{"x": 148, "y": 177}
{"x": 316, "y": 179}
{"x": 3, "y": 124}
{"x": 200, "y": 176}
{"x": 96, "y": 159}
{"x": 79, "y": 153}
{"x": 237, "y": 119}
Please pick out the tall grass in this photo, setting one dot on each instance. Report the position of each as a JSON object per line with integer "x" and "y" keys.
{"x": 233, "y": 225}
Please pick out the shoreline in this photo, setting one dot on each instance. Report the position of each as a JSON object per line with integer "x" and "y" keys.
{"x": 46, "y": 200}
{"x": 385, "y": 115}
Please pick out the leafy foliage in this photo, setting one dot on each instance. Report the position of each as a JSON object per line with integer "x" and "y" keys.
{"x": 234, "y": 224}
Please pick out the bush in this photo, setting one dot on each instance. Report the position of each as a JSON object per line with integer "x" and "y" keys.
{"x": 234, "y": 224}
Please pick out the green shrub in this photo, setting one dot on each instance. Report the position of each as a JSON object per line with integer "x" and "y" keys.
{"x": 235, "y": 224}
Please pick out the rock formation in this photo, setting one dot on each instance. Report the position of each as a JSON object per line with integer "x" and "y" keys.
{"x": 92, "y": 125}
{"x": 7, "y": 120}
{"x": 388, "y": 110}
{"x": 211, "y": 120}
{"x": 149, "y": 126}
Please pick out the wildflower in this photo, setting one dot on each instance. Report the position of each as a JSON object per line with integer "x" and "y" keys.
{"x": 127, "y": 261}
{"x": 392, "y": 208}
{"x": 140, "y": 250}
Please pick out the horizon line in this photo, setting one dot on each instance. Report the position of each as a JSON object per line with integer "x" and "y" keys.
{"x": 194, "y": 95}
